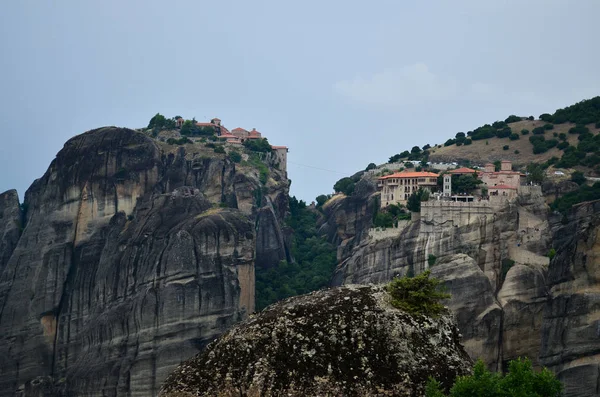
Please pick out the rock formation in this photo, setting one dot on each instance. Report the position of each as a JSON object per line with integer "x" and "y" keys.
{"x": 134, "y": 255}
{"x": 344, "y": 341}
{"x": 508, "y": 299}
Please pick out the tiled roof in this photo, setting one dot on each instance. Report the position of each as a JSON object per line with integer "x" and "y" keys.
{"x": 463, "y": 170}
{"x": 410, "y": 175}
{"x": 239, "y": 129}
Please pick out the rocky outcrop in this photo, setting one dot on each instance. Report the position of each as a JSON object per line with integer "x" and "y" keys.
{"x": 135, "y": 254}
{"x": 490, "y": 256}
{"x": 345, "y": 341}
{"x": 10, "y": 225}
{"x": 571, "y": 317}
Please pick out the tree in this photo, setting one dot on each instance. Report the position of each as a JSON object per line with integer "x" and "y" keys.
{"x": 578, "y": 177}
{"x": 505, "y": 147}
{"x": 419, "y": 295}
{"x": 321, "y": 199}
{"x": 535, "y": 173}
{"x": 520, "y": 381}
{"x": 258, "y": 145}
{"x": 460, "y": 135}
{"x": 236, "y": 157}
{"x": 514, "y": 136}
{"x": 414, "y": 200}
{"x": 524, "y": 132}
{"x": 415, "y": 149}
{"x": 371, "y": 166}
{"x": 497, "y": 165}
{"x": 161, "y": 122}
{"x": 512, "y": 119}
{"x": 219, "y": 149}
{"x": 465, "y": 183}
{"x": 344, "y": 185}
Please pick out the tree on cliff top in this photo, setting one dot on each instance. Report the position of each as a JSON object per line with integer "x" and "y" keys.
{"x": 418, "y": 295}
{"x": 521, "y": 381}
{"x": 161, "y": 122}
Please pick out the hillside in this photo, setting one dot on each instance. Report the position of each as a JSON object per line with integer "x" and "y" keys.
{"x": 491, "y": 149}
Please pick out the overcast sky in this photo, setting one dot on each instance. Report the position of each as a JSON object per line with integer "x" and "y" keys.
{"x": 342, "y": 83}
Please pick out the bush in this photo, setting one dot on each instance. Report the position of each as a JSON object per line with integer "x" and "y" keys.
{"x": 546, "y": 117}
{"x": 460, "y": 135}
{"x": 180, "y": 141}
{"x": 539, "y": 131}
{"x": 548, "y": 127}
{"x": 551, "y": 253}
{"x": 584, "y": 112}
{"x": 450, "y": 142}
{"x": 521, "y": 380}
{"x": 467, "y": 141}
{"x": 530, "y": 118}
{"x": 505, "y": 147}
{"x": 562, "y": 136}
{"x": 161, "y": 122}
{"x": 512, "y": 119}
{"x": 578, "y": 177}
{"x": 236, "y": 157}
{"x": 514, "y": 136}
{"x": 344, "y": 185}
{"x": 371, "y": 166}
{"x": 579, "y": 129}
{"x": 504, "y": 133}
{"x": 524, "y": 132}
{"x": 258, "y": 145}
{"x": 562, "y": 145}
{"x": 219, "y": 149}
{"x": 498, "y": 125}
{"x": 419, "y": 295}
{"x": 517, "y": 152}
{"x": 321, "y": 199}
{"x": 431, "y": 259}
{"x": 584, "y": 193}
{"x": 408, "y": 164}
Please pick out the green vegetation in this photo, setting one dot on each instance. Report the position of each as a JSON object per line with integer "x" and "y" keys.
{"x": 234, "y": 156}
{"x": 180, "y": 141}
{"x": 431, "y": 259}
{"x": 505, "y": 147}
{"x": 257, "y": 145}
{"x": 584, "y": 193}
{"x": 419, "y": 295}
{"x": 371, "y": 166}
{"x": 190, "y": 128}
{"x": 524, "y": 132}
{"x": 535, "y": 173}
{"x": 514, "y": 136}
{"x": 551, "y": 253}
{"x": 389, "y": 216}
{"x": 160, "y": 122}
{"x": 344, "y": 185}
{"x": 578, "y": 177}
{"x": 322, "y": 199}
{"x": 541, "y": 145}
{"x": 512, "y": 119}
{"x": 520, "y": 381}
{"x": 315, "y": 261}
{"x": 584, "y": 112}
{"x": 263, "y": 170}
{"x": 465, "y": 183}
{"x": 219, "y": 149}
{"x": 414, "y": 200}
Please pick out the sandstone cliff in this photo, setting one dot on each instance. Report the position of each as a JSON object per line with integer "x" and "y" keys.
{"x": 346, "y": 341}
{"x": 10, "y": 225}
{"x": 134, "y": 255}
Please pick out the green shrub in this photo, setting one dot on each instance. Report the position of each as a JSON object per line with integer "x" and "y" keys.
{"x": 344, "y": 185}
{"x": 517, "y": 152}
{"x": 579, "y": 129}
{"x": 180, "y": 141}
{"x": 371, "y": 166}
{"x": 562, "y": 136}
{"x": 539, "y": 130}
{"x": 546, "y": 117}
{"x": 524, "y": 132}
{"x": 161, "y": 122}
{"x": 467, "y": 141}
{"x": 219, "y": 149}
{"x": 512, "y": 119}
{"x": 419, "y": 295}
{"x": 514, "y": 136}
{"x": 551, "y": 253}
{"x": 450, "y": 142}
{"x": 578, "y": 177}
{"x": 431, "y": 259}
{"x": 562, "y": 145}
{"x": 520, "y": 381}
{"x": 258, "y": 145}
{"x": 530, "y": 118}
{"x": 234, "y": 156}
{"x": 584, "y": 193}
{"x": 548, "y": 126}
{"x": 505, "y": 147}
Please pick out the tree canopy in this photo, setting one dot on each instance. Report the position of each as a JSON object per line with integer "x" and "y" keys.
{"x": 520, "y": 381}
{"x": 418, "y": 295}
{"x": 161, "y": 122}
{"x": 258, "y": 145}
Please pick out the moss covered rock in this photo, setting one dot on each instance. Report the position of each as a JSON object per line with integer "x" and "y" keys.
{"x": 343, "y": 341}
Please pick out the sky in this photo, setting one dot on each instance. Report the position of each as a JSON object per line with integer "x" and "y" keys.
{"x": 341, "y": 83}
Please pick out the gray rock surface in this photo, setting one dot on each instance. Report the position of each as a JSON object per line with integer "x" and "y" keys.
{"x": 344, "y": 341}
{"x": 571, "y": 317}
{"x": 135, "y": 254}
{"x": 10, "y": 225}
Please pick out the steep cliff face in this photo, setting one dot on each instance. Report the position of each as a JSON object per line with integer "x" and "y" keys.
{"x": 508, "y": 299}
{"x": 471, "y": 247}
{"x": 135, "y": 254}
{"x": 346, "y": 341}
{"x": 571, "y": 315}
{"x": 10, "y": 225}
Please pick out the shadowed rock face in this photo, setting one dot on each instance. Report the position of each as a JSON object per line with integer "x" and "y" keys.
{"x": 345, "y": 341}
{"x": 571, "y": 323}
{"x": 10, "y": 225}
{"x": 127, "y": 265}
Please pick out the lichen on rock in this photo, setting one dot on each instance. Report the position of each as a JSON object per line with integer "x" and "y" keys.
{"x": 344, "y": 341}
